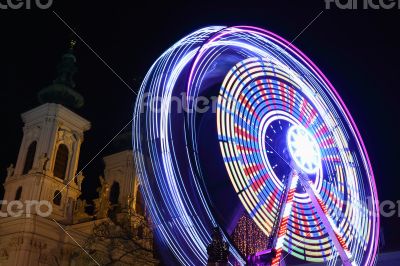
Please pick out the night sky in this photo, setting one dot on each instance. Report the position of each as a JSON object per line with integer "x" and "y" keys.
{"x": 358, "y": 50}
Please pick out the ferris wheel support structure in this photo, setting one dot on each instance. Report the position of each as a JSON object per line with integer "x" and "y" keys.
{"x": 320, "y": 207}
{"x": 327, "y": 221}
{"x": 284, "y": 216}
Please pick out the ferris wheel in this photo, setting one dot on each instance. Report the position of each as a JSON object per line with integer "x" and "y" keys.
{"x": 288, "y": 145}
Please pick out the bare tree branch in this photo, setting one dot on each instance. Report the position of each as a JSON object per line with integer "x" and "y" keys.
{"x": 124, "y": 237}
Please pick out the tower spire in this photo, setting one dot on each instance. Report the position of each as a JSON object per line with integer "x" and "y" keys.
{"x": 62, "y": 91}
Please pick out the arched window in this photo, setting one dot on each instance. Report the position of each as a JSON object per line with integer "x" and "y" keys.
{"x": 57, "y": 198}
{"x": 139, "y": 203}
{"x": 140, "y": 232}
{"x": 114, "y": 193}
{"x": 30, "y": 156}
{"x": 61, "y": 163}
{"x": 18, "y": 193}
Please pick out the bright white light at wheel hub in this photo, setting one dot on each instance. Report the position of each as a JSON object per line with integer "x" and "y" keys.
{"x": 303, "y": 149}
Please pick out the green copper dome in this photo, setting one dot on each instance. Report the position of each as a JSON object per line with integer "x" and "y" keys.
{"x": 62, "y": 90}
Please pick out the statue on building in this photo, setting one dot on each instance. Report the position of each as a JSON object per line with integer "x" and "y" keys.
{"x": 102, "y": 204}
{"x": 10, "y": 170}
{"x": 80, "y": 211}
{"x": 104, "y": 188}
{"x": 79, "y": 179}
{"x": 129, "y": 202}
{"x": 43, "y": 160}
{"x": 218, "y": 250}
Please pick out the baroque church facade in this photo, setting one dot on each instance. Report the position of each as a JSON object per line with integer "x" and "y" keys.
{"x": 43, "y": 219}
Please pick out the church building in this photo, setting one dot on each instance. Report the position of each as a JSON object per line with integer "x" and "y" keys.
{"x": 43, "y": 219}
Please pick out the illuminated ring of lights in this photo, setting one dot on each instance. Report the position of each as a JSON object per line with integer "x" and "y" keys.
{"x": 267, "y": 120}
{"x": 304, "y": 149}
{"x": 254, "y": 73}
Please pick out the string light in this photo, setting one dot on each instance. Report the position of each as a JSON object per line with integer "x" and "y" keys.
{"x": 248, "y": 237}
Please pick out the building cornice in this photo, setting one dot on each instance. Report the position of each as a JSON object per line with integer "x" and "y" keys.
{"x": 57, "y": 111}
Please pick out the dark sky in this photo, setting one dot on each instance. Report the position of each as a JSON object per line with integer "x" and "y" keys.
{"x": 358, "y": 50}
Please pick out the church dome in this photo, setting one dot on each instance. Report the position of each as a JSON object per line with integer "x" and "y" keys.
{"x": 62, "y": 91}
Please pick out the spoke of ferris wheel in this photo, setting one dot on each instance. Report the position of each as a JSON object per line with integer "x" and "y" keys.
{"x": 327, "y": 221}
{"x": 286, "y": 209}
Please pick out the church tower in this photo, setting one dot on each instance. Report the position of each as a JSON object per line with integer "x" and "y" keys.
{"x": 120, "y": 188}
{"x": 45, "y": 171}
{"x": 120, "y": 175}
{"x": 46, "y": 168}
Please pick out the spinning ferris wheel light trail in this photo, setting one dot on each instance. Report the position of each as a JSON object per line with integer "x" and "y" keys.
{"x": 281, "y": 142}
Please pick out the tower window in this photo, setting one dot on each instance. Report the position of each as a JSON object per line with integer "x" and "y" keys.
{"x": 114, "y": 193}
{"x": 30, "y": 156}
{"x": 140, "y": 232}
{"x": 139, "y": 203}
{"x": 57, "y": 198}
{"x": 60, "y": 165}
{"x": 18, "y": 193}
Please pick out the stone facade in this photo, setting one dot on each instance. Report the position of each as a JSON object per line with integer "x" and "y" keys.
{"x": 46, "y": 170}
